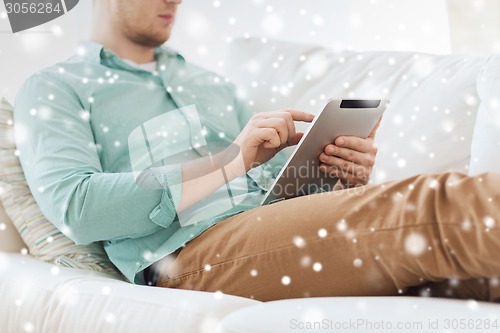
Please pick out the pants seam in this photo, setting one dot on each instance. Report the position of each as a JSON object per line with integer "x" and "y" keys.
{"x": 333, "y": 237}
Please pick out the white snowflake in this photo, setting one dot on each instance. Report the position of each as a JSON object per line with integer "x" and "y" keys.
{"x": 489, "y": 222}
{"x": 316, "y": 65}
{"x": 322, "y": 233}
{"x": 218, "y": 295}
{"x": 415, "y": 244}
{"x": 473, "y": 305}
{"x": 318, "y": 20}
{"x": 106, "y": 291}
{"x": 357, "y": 262}
{"x": 28, "y": 327}
{"x": 342, "y": 225}
{"x": 110, "y": 318}
{"x": 55, "y": 270}
{"x": 312, "y": 314}
{"x": 299, "y": 242}
{"x": 317, "y": 267}
{"x": 305, "y": 261}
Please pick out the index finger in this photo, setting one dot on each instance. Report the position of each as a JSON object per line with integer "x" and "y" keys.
{"x": 301, "y": 115}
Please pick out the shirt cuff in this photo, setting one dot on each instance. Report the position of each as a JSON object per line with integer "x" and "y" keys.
{"x": 170, "y": 177}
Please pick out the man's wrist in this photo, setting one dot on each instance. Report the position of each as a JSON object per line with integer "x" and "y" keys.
{"x": 236, "y": 168}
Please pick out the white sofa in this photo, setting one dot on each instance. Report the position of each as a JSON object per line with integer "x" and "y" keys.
{"x": 429, "y": 128}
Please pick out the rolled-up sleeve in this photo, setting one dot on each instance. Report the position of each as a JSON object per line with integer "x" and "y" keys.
{"x": 169, "y": 178}
{"x": 60, "y": 160}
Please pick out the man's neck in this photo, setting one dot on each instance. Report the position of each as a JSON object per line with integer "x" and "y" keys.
{"x": 127, "y": 49}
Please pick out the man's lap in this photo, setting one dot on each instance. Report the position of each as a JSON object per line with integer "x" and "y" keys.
{"x": 287, "y": 237}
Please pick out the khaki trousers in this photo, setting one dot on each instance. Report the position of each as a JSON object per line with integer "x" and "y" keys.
{"x": 435, "y": 235}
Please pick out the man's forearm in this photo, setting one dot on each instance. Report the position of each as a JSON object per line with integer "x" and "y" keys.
{"x": 202, "y": 177}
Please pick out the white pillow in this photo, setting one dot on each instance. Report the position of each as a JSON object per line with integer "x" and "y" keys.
{"x": 429, "y": 125}
{"x": 485, "y": 154}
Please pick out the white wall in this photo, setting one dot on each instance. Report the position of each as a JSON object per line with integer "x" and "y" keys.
{"x": 204, "y": 27}
{"x": 24, "y": 53}
{"x": 475, "y": 26}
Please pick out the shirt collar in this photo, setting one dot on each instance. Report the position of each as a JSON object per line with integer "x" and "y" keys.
{"x": 95, "y": 52}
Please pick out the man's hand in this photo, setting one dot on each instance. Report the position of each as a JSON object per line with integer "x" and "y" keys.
{"x": 350, "y": 158}
{"x": 265, "y": 134}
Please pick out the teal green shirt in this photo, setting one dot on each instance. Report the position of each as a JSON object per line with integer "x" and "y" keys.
{"x": 74, "y": 123}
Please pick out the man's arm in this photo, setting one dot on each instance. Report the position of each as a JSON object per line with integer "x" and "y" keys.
{"x": 62, "y": 167}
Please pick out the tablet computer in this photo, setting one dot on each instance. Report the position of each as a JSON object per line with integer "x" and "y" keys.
{"x": 301, "y": 174}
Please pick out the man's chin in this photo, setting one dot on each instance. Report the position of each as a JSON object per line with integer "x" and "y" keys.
{"x": 153, "y": 41}
{"x": 163, "y": 38}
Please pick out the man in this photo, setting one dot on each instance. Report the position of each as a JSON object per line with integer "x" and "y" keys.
{"x": 80, "y": 155}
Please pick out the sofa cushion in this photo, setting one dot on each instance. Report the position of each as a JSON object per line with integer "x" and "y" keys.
{"x": 428, "y": 127}
{"x": 364, "y": 314}
{"x": 40, "y": 297}
{"x": 485, "y": 154}
{"x": 44, "y": 241}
